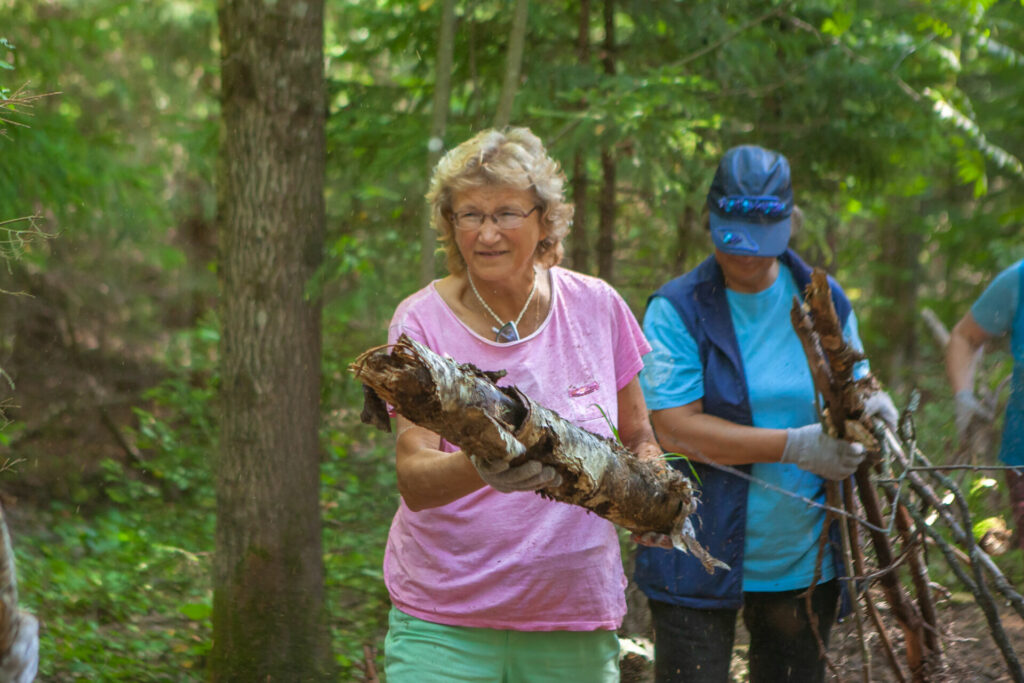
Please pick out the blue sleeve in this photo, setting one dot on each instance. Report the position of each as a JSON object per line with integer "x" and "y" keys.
{"x": 672, "y": 374}
{"x": 996, "y": 308}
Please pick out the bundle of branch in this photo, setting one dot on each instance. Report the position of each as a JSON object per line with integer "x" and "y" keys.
{"x": 904, "y": 473}
{"x": 832, "y": 362}
{"x": 466, "y": 406}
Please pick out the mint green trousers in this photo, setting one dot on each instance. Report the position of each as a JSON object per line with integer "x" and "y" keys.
{"x": 418, "y": 651}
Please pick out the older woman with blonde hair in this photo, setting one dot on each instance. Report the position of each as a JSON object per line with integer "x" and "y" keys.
{"x": 488, "y": 579}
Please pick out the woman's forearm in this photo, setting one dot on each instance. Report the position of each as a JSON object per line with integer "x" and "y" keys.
{"x": 706, "y": 437}
{"x": 427, "y": 476}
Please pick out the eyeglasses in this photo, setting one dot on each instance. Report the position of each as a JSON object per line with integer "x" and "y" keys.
{"x": 769, "y": 206}
{"x": 505, "y": 219}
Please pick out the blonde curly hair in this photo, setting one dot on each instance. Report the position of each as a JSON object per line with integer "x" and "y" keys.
{"x": 514, "y": 157}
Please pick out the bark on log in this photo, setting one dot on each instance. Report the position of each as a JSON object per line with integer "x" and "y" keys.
{"x": 465, "y": 406}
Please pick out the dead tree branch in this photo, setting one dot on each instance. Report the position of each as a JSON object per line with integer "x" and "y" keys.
{"x": 832, "y": 360}
{"x": 19, "y": 630}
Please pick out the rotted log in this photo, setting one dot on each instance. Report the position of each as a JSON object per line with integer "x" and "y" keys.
{"x": 19, "y": 630}
{"x": 832, "y": 362}
{"x": 466, "y": 407}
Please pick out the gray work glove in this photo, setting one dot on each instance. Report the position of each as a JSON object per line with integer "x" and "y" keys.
{"x": 967, "y": 409}
{"x": 529, "y": 476}
{"x": 811, "y": 449}
{"x": 880, "y": 405}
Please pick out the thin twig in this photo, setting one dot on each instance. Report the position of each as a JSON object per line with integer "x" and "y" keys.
{"x": 960, "y": 533}
{"x": 978, "y": 588}
{"x": 772, "y": 487}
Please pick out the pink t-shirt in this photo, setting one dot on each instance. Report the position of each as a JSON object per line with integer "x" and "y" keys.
{"x": 517, "y": 561}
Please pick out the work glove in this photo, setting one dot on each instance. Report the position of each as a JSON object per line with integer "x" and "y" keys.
{"x": 880, "y": 405}
{"x": 529, "y": 476}
{"x": 811, "y": 449}
{"x": 967, "y": 409}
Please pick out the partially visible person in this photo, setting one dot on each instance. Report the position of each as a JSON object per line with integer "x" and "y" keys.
{"x": 999, "y": 310}
{"x": 728, "y": 383}
{"x": 490, "y": 581}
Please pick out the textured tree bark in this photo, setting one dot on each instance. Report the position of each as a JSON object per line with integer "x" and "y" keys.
{"x": 268, "y": 613}
{"x": 465, "y": 406}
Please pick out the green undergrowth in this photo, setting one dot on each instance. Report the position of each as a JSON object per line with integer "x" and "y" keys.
{"x": 122, "y": 593}
{"x": 120, "y": 578}
{"x": 122, "y": 588}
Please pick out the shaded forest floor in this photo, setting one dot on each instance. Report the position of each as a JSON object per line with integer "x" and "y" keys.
{"x": 969, "y": 652}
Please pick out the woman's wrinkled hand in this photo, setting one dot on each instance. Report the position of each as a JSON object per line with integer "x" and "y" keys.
{"x": 649, "y": 451}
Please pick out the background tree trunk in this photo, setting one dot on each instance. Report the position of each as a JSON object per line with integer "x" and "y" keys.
{"x": 438, "y": 124}
{"x": 268, "y": 576}
{"x": 606, "y": 207}
{"x": 513, "y": 64}
{"x": 688, "y": 233}
{"x": 898, "y": 274}
{"x": 578, "y": 237}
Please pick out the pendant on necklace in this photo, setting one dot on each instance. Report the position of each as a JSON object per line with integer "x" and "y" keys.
{"x": 507, "y": 333}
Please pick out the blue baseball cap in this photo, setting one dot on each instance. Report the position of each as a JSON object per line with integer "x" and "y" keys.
{"x": 750, "y": 202}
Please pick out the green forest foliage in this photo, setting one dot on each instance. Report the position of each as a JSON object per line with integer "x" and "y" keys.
{"x": 901, "y": 121}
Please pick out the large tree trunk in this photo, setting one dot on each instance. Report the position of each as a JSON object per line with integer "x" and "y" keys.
{"x": 465, "y": 406}
{"x": 268, "y": 608}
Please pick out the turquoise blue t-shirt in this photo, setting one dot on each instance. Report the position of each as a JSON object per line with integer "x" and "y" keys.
{"x": 996, "y": 308}
{"x": 783, "y": 531}
{"x": 998, "y": 311}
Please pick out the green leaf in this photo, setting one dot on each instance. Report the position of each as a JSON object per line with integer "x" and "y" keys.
{"x": 196, "y": 611}
{"x": 609, "y": 422}
{"x": 982, "y": 526}
{"x": 839, "y": 23}
{"x": 689, "y": 463}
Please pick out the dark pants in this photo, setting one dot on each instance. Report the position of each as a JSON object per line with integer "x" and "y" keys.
{"x": 696, "y": 644}
{"x": 1015, "y": 483}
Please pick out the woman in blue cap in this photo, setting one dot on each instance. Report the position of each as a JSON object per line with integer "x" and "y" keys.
{"x": 728, "y": 384}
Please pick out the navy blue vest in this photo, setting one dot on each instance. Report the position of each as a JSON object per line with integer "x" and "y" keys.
{"x": 673, "y": 576}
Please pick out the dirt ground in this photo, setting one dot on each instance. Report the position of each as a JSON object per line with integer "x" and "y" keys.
{"x": 969, "y": 652}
